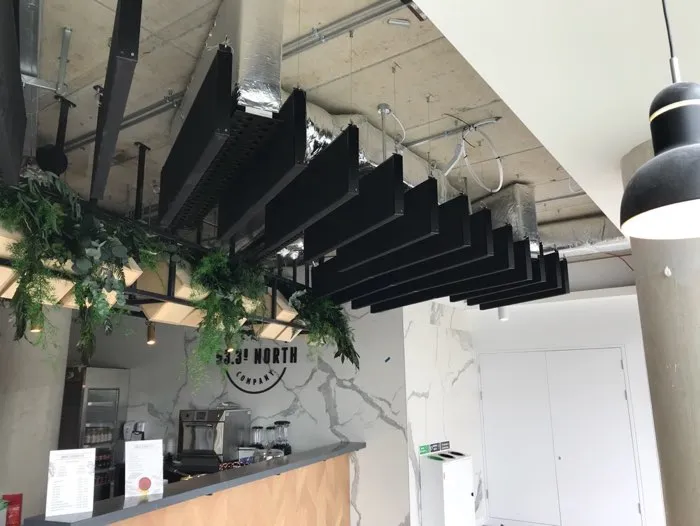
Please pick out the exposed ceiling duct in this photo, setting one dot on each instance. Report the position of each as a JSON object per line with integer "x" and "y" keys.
{"x": 584, "y": 236}
{"x": 253, "y": 30}
{"x": 514, "y": 205}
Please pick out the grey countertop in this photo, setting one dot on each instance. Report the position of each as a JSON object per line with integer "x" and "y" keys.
{"x": 117, "y": 509}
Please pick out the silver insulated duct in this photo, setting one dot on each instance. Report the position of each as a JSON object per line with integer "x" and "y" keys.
{"x": 514, "y": 205}
{"x": 253, "y": 31}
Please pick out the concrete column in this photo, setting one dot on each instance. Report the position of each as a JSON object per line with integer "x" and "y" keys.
{"x": 31, "y": 394}
{"x": 667, "y": 275}
{"x": 668, "y": 292}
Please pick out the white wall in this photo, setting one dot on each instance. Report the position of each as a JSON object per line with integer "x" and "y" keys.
{"x": 571, "y": 323}
{"x": 442, "y": 389}
{"x": 324, "y": 400}
{"x": 31, "y": 393}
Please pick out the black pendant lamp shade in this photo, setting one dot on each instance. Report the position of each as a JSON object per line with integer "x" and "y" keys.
{"x": 662, "y": 200}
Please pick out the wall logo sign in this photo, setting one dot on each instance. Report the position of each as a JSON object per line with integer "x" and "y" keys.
{"x": 259, "y": 369}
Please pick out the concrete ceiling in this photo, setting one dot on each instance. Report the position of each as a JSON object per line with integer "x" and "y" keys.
{"x": 579, "y": 75}
{"x": 398, "y": 65}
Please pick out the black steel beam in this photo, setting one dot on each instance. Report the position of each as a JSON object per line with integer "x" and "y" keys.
{"x": 557, "y": 291}
{"x": 123, "y": 56}
{"x": 505, "y": 281}
{"x": 419, "y": 221}
{"x": 456, "y": 231}
{"x": 268, "y": 173}
{"x": 200, "y": 139}
{"x": 482, "y": 248}
{"x": 330, "y": 180}
{"x": 380, "y": 201}
{"x": 552, "y": 281}
{"x": 140, "y": 175}
{"x": 502, "y": 261}
{"x": 13, "y": 116}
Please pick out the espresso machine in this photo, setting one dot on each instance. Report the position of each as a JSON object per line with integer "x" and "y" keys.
{"x": 209, "y": 437}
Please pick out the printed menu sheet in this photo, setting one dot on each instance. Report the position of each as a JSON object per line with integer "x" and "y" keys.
{"x": 71, "y": 482}
{"x": 144, "y": 468}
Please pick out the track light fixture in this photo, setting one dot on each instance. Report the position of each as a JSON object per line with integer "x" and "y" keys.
{"x": 150, "y": 333}
{"x": 662, "y": 200}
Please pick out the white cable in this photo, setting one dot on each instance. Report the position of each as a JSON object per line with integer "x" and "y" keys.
{"x": 459, "y": 153}
{"x": 495, "y": 156}
{"x": 403, "y": 130}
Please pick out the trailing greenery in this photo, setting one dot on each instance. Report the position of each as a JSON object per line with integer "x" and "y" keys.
{"x": 62, "y": 240}
{"x": 233, "y": 291}
{"x": 61, "y": 237}
{"x": 327, "y": 324}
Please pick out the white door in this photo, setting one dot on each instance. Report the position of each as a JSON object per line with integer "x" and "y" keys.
{"x": 592, "y": 438}
{"x": 520, "y": 472}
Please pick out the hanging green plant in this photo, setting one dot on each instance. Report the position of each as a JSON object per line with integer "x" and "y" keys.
{"x": 233, "y": 291}
{"x": 327, "y": 324}
{"x": 56, "y": 231}
{"x": 63, "y": 239}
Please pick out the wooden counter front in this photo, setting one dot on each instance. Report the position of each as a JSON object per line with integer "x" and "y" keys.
{"x": 314, "y": 495}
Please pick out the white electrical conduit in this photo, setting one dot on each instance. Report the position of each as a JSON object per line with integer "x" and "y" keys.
{"x": 403, "y": 130}
{"x": 495, "y": 156}
{"x": 459, "y": 153}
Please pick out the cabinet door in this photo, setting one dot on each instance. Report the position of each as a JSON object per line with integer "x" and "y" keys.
{"x": 592, "y": 439}
{"x": 521, "y": 478}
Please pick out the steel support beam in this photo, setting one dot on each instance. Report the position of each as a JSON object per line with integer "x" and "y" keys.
{"x": 123, "y": 56}
{"x": 13, "y": 119}
{"x": 140, "y": 176}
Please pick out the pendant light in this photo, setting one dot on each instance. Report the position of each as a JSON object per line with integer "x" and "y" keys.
{"x": 150, "y": 333}
{"x": 662, "y": 200}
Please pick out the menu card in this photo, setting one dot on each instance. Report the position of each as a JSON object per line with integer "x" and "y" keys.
{"x": 71, "y": 482}
{"x": 144, "y": 468}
